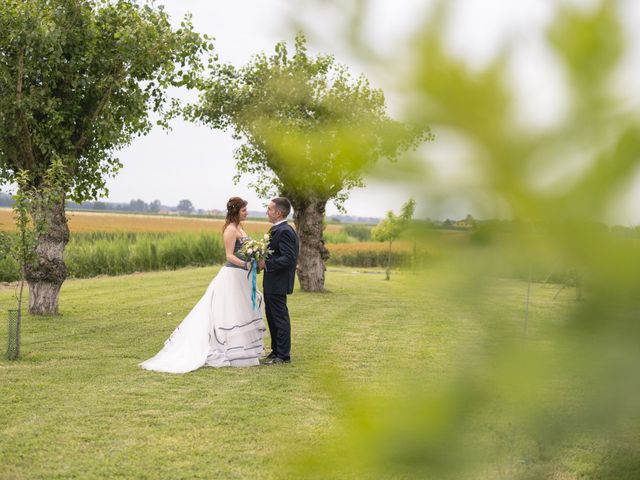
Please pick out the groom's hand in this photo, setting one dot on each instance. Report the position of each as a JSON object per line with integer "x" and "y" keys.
{"x": 261, "y": 264}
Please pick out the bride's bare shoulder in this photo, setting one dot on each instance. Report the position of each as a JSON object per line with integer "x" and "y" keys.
{"x": 230, "y": 230}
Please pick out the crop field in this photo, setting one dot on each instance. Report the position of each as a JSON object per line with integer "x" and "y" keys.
{"x": 121, "y": 243}
{"x": 88, "y": 222}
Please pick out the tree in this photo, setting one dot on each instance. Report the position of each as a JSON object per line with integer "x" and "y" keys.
{"x": 78, "y": 80}
{"x": 185, "y": 206}
{"x": 30, "y": 226}
{"x": 138, "y": 205}
{"x": 155, "y": 206}
{"x": 308, "y": 130}
{"x": 390, "y": 229}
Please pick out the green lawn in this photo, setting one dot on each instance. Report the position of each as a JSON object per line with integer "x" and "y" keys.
{"x": 77, "y": 405}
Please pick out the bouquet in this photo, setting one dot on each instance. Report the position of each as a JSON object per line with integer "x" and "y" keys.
{"x": 255, "y": 250}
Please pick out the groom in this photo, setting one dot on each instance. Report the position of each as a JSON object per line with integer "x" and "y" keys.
{"x": 279, "y": 274}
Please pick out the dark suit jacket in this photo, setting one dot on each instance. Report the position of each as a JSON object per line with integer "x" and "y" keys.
{"x": 280, "y": 269}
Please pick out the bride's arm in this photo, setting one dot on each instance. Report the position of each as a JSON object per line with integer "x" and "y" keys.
{"x": 229, "y": 236}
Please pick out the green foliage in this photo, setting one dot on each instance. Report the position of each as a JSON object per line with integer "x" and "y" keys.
{"x": 308, "y": 128}
{"x": 573, "y": 387}
{"x": 390, "y": 229}
{"x": 360, "y": 232}
{"x": 349, "y": 233}
{"x": 590, "y": 44}
{"x": 89, "y": 255}
{"x": 23, "y": 249}
{"x": 92, "y": 254}
{"x": 363, "y": 258}
{"x": 337, "y": 237}
{"x": 79, "y": 79}
{"x": 20, "y": 249}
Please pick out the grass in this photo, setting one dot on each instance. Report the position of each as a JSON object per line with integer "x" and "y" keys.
{"x": 101, "y": 253}
{"x": 77, "y": 406}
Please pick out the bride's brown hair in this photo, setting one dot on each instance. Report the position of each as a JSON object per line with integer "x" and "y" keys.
{"x": 234, "y": 205}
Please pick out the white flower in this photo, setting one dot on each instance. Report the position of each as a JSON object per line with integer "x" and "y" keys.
{"x": 249, "y": 251}
{"x": 266, "y": 236}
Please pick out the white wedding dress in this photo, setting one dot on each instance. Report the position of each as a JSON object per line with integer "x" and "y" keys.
{"x": 222, "y": 329}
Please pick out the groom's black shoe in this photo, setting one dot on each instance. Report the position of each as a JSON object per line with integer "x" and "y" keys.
{"x": 268, "y": 358}
{"x": 277, "y": 361}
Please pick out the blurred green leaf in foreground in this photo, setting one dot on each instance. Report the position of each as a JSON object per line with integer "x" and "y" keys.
{"x": 562, "y": 401}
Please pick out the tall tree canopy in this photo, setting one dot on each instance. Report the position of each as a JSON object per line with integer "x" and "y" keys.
{"x": 308, "y": 130}
{"x": 78, "y": 81}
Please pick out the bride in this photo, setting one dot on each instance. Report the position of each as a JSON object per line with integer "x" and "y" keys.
{"x": 222, "y": 329}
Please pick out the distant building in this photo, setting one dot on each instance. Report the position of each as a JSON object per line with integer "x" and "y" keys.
{"x": 468, "y": 222}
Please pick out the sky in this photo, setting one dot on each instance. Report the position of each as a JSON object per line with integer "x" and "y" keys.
{"x": 196, "y": 163}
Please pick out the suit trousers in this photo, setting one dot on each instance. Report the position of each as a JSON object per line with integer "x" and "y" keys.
{"x": 279, "y": 324}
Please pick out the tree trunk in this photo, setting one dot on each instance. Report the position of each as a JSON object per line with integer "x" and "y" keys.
{"x": 309, "y": 220}
{"x": 48, "y": 273}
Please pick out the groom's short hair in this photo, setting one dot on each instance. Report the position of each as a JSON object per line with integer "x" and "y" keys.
{"x": 283, "y": 205}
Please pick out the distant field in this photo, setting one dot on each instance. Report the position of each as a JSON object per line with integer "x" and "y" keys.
{"x": 401, "y": 246}
{"x": 122, "y": 243}
{"x": 85, "y": 222}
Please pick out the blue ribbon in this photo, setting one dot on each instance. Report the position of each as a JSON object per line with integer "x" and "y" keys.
{"x": 254, "y": 289}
